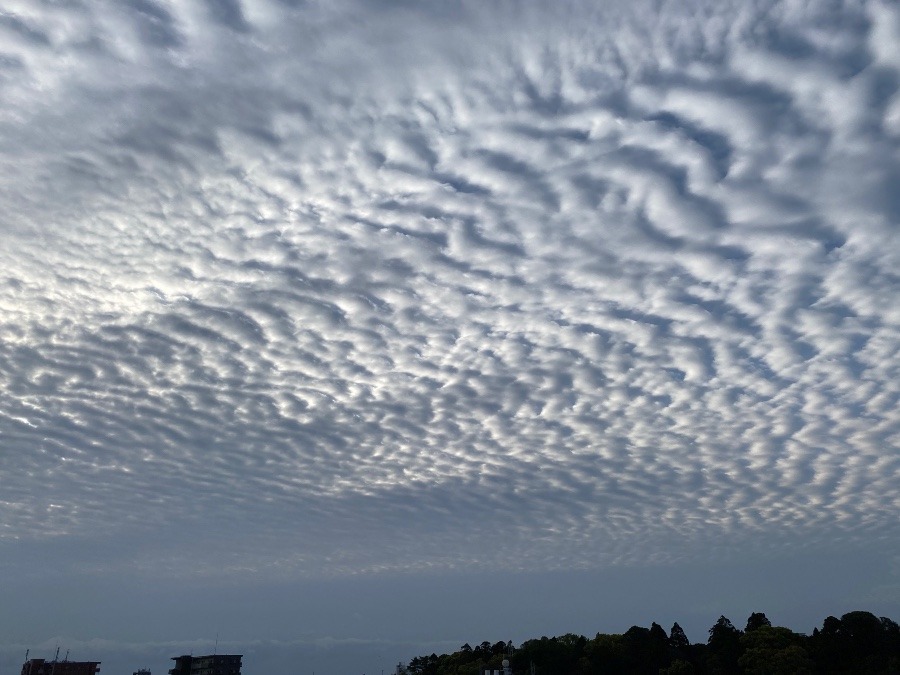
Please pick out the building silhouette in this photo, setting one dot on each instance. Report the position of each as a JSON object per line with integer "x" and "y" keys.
{"x": 42, "y": 667}
{"x": 505, "y": 670}
{"x": 213, "y": 664}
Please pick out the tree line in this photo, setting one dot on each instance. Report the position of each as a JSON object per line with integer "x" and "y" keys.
{"x": 858, "y": 642}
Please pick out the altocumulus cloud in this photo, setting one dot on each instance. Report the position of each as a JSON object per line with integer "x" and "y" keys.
{"x": 400, "y": 286}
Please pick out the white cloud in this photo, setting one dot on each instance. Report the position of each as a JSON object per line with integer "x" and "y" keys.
{"x": 382, "y": 289}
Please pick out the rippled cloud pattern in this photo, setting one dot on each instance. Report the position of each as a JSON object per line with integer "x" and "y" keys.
{"x": 371, "y": 286}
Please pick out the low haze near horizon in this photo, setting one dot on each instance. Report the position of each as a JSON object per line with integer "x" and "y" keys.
{"x": 355, "y": 330}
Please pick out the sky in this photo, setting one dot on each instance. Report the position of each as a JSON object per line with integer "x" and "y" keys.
{"x": 354, "y": 330}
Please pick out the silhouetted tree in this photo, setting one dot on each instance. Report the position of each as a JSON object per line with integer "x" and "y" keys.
{"x": 723, "y": 647}
{"x": 831, "y": 626}
{"x": 550, "y": 655}
{"x": 647, "y": 649}
{"x": 607, "y": 654}
{"x": 857, "y": 643}
{"x": 769, "y": 650}
{"x": 679, "y": 645}
{"x": 825, "y": 645}
{"x": 677, "y": 638}
{"x": 756, "y": 620}
{"x": 659, "y": 647}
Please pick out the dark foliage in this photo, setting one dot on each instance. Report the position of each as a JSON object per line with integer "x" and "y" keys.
{"x": 723, "y": 648}
{"x": 858, "y": 642}
{"x": 757, "y": 620}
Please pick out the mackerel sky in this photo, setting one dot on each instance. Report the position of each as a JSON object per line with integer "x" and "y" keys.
{"x": 360, "y": 323}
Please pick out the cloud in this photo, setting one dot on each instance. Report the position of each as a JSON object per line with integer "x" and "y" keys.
{"x": 389, "y": 287}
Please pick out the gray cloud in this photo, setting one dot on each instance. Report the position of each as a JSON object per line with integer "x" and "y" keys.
{"x": 386, "y": 288}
